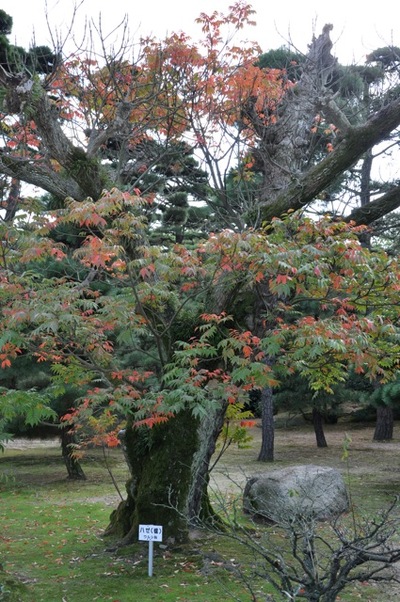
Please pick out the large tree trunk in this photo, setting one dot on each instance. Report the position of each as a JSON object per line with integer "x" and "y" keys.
{"x": 285, "y": 148}
{"x": 267, "y": 421}
{"x": 318, "y": 424}
{"x": 169, "y": 476}
{"x": 384, "y": 424}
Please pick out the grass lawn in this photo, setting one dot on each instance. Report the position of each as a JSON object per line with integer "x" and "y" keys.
{"x": 51, "y": 544}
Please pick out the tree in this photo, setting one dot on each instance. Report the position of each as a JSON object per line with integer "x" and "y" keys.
{"x": 25, "y": 378}
{"x": 295, "y": 396}
{"x": 385, "y": 399}
{"x": 155, "y": 310}
{"x": 114, "y": 325}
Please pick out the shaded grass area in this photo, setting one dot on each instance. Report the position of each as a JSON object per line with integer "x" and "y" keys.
{"x": 57, "y": 554}
{"x": 51, "y": 544}
{"x": 52, "y": 549}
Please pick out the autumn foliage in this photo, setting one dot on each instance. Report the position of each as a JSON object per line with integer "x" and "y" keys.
{"x": 85, "y": 333}
{"x": 168, "y": 90}
{"x": 147, "y": 330}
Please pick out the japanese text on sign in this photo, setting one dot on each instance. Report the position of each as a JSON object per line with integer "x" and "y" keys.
{"x": 150, "y": 533}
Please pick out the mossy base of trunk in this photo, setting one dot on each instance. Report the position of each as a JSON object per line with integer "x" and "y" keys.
{"x": 160, "y": 462}
{"x": 121, "y": 520}
{"x": 169, "y": 466}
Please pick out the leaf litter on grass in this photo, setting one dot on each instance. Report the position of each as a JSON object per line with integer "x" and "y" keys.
{"x": 52, "y": 529}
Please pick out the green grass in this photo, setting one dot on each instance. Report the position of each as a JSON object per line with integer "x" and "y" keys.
{"x": 57, "y": 550}
{"x": 52, "y": 548}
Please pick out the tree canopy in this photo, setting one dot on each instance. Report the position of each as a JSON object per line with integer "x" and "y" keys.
{"x": 175, "y": 262}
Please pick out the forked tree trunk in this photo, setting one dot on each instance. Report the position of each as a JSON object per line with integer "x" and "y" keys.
{"x": 384, "y": 424}
{"x": 199, "y": 509}
{"x": 318, "y": 424}
{"x": 169, "y": 477}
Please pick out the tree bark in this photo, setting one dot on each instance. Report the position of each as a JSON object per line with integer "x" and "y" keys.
{"x": 376, "y": 209}
{"x": 169, "y": 477}
{"x": 351, "y": 148}
{"x": 292, "y": 175}
{"x": 267, "y": 425}
{"x": 81, "y": 172}
{"x": 35, "y": 173}
{"x": 11, "y": 203}
{"x": 74, "y": 469}
{"x": 384, "y": 424}
{"x": 318, "y": 424}
{"x": 199, "y": 509}
{"x": 284, "y": 150}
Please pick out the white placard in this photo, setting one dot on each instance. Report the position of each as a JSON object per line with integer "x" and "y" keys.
{"x": 150, "y": 533}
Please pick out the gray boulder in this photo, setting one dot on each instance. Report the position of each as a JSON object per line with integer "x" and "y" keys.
{"x": 296, "y": 493}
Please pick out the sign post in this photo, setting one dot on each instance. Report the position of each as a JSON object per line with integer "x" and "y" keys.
{"x": 150, "y": 533}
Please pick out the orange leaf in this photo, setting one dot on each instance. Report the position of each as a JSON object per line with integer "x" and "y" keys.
{"x": 247, "y": 351}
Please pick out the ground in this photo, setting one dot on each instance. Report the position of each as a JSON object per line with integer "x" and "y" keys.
{"x": 373, "y": 468}
{"x": 373, "y": 464}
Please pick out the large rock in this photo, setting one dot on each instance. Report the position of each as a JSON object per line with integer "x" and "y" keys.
{"x": 305, "y": 492}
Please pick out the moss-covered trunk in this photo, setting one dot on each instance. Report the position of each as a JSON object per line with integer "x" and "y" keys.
{"x": 162, "y": 486}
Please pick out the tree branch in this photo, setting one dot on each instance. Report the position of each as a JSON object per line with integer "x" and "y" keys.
{"x": 355, "y": 143}
{"x": 26, "y": 96}
{"x": 38, "y": 174}
{"x": 376, "y": 209}
{"x": 334, "y": 115}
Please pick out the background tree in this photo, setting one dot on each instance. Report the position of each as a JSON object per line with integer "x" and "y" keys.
{"x": 385, "y": 399}
{"x": 295, "y": 397}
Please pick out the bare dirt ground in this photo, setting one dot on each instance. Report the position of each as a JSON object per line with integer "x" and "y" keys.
{"x": 22, "y": 444}
{"x": 374, "y": 463}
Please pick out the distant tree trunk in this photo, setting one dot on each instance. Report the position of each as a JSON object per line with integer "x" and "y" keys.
{"x": 169, "y": 476}
{"x": 263, "y": 312}
{"x": 384, "y": 424}
{"x": 267, "y": 424}
{"x": 74, "y": 469}
{"x": 318, "y": 424}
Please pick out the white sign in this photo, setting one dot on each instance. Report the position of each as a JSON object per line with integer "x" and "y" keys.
{"x": 150, "y": 533}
